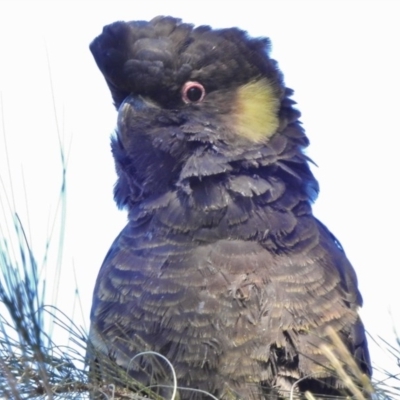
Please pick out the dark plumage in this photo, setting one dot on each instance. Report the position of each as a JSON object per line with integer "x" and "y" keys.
{"x": 222, "y": 267}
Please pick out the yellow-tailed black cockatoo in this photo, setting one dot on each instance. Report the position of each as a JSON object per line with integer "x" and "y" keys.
{"x": 222, "y": 267}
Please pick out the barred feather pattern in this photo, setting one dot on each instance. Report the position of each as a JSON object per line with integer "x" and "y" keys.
{"x": 222, "y": 267}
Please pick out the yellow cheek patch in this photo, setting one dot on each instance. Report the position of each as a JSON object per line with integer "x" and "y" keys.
{"x": 256, "y": 111}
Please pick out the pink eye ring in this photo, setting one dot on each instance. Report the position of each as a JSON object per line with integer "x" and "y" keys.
{"x": 193, "y": 92}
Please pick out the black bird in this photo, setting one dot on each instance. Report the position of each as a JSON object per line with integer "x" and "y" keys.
{"x": 222, "y": 267}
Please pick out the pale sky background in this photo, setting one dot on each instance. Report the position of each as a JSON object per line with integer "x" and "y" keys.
{"x": 342, "y": 59}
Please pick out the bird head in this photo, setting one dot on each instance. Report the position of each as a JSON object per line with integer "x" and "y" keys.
{"x": 195, "y": 103}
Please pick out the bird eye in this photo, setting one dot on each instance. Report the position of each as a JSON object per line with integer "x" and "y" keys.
{"x": 193, "y": 92}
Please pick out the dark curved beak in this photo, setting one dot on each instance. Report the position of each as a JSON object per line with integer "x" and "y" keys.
{"x": 133, "y": 106}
